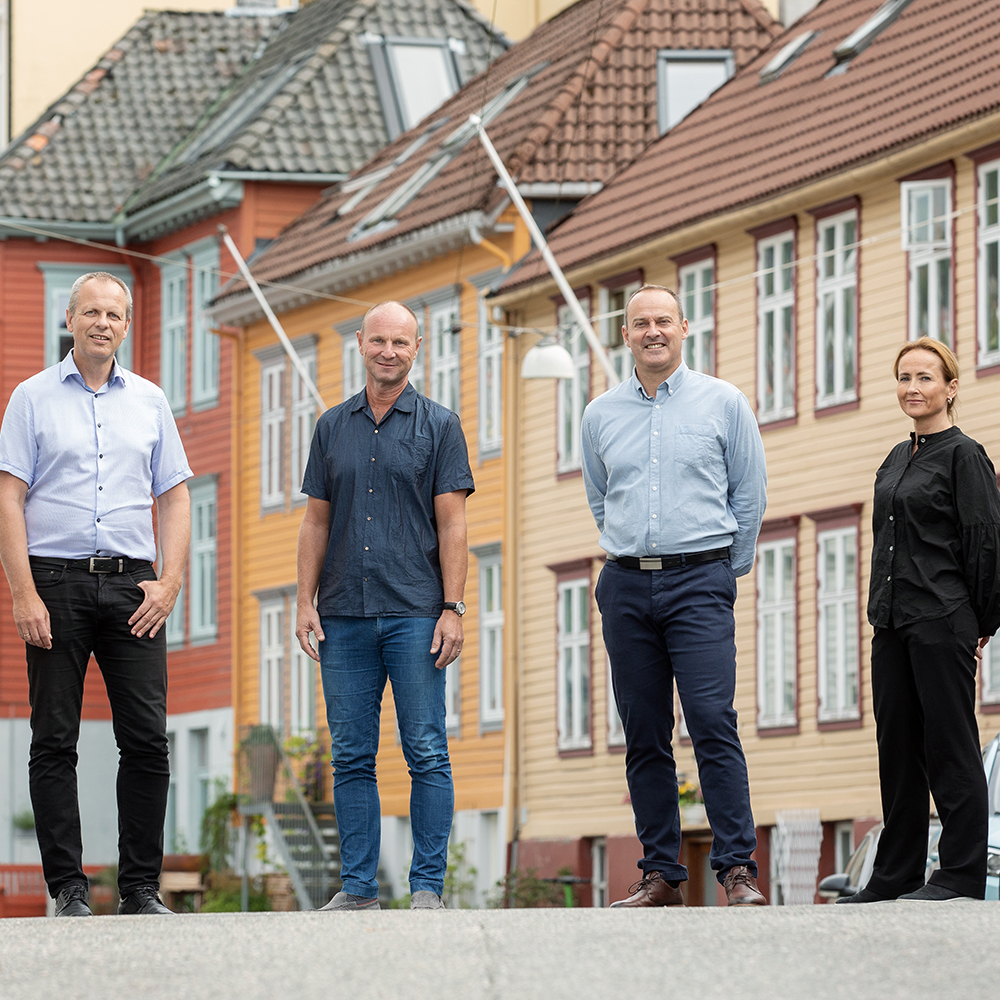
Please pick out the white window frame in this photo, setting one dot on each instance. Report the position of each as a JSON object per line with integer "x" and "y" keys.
{"x": 574, "y": 669}
{"x": 837, "y": 308}
{"x": 990, "y": 673}
{"x": 491, "y": 343}
{"x": 598, "y": 872}
{"x": 491, "y": 628}
{"x": 666, "y": 120}
{"x": 204, "y": 343}
{"x": 174, "y": 627}
{"x": 352, "y": 365}
{"x": 173, "y": 334}
{"x": 839, "y": 657}
{"x": 303, "y": 413}
{"x": 59, "y": 280}
{"x": 926, "y": 212}
{"x": 445, "y": 354}
{"x": 572, "y": 394}
{"x": 272, "y": 434}
{"x": 272, "y": 664}
{"x": 203, "y": 561}
{"x": 453, "y": 697}
{"x": 988, "y": 285}
{"x": 611, "y": 308}
{"x": 777, "y": 667}
{"x": 418, "y": 372}
{"x": 616, "y": 730}
{"x": 301, "y": 684}
{"x": 696, "y": 288}
{"x": 199, "y": 779}
{"x": 843, "y": 844}
{"x": 776, "y": 319}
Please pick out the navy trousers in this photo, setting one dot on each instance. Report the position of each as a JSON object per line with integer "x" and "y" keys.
{"x": 89, "y": 614}
{"x": 924, "y": 696}
{"x": 661, "y": 626}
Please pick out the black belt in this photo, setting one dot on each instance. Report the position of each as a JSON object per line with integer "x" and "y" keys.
{"x": 669, "y": 562}
{"x": 95, "y": 564}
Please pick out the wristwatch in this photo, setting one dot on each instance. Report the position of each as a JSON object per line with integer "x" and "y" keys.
{"x": 457, "y": 606}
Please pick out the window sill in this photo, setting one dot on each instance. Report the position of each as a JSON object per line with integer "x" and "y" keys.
{"x": 774, "y": 423}
{"x": 990, "y": 367}
{"x": 616, "y": 747}
{"x": 490, "y": 726}
{"x": 564, "y": 474}
{"x": 989, "y": 707}
{"x": 777, "y": 729}
{"x": 577, "y": 751}
{"x": 201, "y": 405}
{"x": 489, "y": 452}
{"x": 832, "y": 409}
{"x": 205, "y": 640}
{"x": 833, "y": 725}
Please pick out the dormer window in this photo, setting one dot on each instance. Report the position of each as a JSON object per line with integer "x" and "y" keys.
{"x": 685, "y": 77}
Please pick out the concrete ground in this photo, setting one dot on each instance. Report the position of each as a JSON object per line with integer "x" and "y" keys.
{"x": 884, "y": 950}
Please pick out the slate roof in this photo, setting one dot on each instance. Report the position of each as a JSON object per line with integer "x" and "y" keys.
{"x": 589, "y": 110}
{"x": 932, "y": 69}
{"x": 144, "y": 124}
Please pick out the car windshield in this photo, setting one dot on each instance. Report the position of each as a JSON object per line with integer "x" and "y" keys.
{"x": 855, "y": 867}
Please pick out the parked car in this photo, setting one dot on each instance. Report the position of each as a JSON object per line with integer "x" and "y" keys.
{"x": 859, "y": 868}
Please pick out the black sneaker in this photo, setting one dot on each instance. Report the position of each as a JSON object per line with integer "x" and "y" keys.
{"x": 74, "y": 901}
{"x": 935, "y": 893}
{"x": 143, "y": 899}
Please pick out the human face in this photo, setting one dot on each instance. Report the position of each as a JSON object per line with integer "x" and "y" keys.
{"x": 654, "y": 332}
{"x": 923, "y": 392}
{"x": 389, "y": 345}
{"x": 99, "y": 325}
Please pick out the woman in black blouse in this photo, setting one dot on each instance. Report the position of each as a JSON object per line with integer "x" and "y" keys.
{"x": 934, "y": 601}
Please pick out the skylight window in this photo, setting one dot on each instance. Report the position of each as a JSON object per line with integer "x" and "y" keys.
{"x": 786, "y": 56}
{"x": 859, "y": 40}
{"x": 685, "y": 77}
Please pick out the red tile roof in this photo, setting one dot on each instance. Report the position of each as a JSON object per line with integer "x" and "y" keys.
{"x": 589, "y": 111}
{"x": 933, "y": 68}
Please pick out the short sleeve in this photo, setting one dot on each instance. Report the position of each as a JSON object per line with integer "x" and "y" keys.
{"x": 314, "y": 481}
{"x": 18, "y": 450}
{"x": 452, "y": 470}
{"x": 169, "y": 464}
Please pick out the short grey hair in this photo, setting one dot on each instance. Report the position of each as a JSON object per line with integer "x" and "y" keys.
{"x": 655, "y": 288}
{"x": 74, "y": 292}
{"x": 391, "y": 302}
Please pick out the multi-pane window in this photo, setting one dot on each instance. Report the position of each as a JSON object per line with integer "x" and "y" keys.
{"x": 616, "y": 731}
{"x": 776, "y": 660}
{"x": 445, "y": 346}
{"x": 611, "y": 305}
{"x": 453, "y": 697}
{"x": 776, "y": 327}
{"x": 174, "y": 626}
{"x": 353, "y": 366}
{"x": 685, "y": 77}
{"x": 573, "y": 392}
{"x": 988, "y": 300}
{"x": 491, "y": 621}
{"x": 990, "y": 672}
{"x": 303, "y": 414}
{"x": 927, "y": 236}
{"x": 837, "y": 623}
{"x": 203, "y": 560}
{"x": 200, "y": 782}
{"x": 418, "y": 372}
{"x": 204, "y": 343}
{"x": 490, "y": 384}
{"x": 836, "y": 309}
{"x": 696, "y": 287}
{"x": 301, "y": 685}
{"x": 599, "y": 872}
{"x": 173, "y": 335}
{"x": 272, "y": 434}
{"x": 272, "y": 663}
{"x": 573, "y": 624}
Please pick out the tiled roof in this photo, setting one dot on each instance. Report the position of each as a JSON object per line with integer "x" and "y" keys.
{"x": 930, "y": 70}
{"x": 149, "y": 120}
{"x": 586, "y": 112}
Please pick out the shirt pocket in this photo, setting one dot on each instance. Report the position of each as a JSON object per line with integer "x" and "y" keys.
{"x": 696, "y": 446}
{"x": 412, "y": 459}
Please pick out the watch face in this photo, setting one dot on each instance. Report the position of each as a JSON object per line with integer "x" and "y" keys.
{"x": 460, "y": 607}
{"x": 457, "y": 606}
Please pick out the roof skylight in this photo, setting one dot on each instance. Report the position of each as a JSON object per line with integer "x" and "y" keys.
{"x": 786, "y": 56}
{"x": 859, "y": 40}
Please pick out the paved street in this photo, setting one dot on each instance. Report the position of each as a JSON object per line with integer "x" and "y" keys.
{"x": 887, "y": 950}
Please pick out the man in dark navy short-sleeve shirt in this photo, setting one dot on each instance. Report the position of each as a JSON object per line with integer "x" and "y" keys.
{"x": 382, "y": 561}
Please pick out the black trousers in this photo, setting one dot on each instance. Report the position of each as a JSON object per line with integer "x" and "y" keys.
{"x": 89, "y": 614}
{"x": 924, "y": 693}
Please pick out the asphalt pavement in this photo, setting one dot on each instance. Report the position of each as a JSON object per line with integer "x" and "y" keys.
{"x": 884, "y": 950}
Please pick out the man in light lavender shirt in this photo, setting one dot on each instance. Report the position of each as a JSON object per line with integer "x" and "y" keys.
{"x": 674, "y": 469}
{"x": 85, "y": 446}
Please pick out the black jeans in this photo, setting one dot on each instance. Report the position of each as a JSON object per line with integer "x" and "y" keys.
{"x": 661, "y": 626}
{"x": 924, "y": 696}
{"x": 89, "y": 614}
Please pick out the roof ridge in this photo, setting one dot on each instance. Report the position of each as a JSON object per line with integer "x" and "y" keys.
{"x": 597, "y": 56}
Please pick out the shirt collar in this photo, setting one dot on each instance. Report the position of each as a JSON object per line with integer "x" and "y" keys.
{"x": 67, "y": 368}
{"x": 405, "y": 402}
{"x": 672, "y": 384}
{"x": 937, "y": 438}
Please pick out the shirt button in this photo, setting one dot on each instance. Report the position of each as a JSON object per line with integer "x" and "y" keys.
{"x": 369, "y": 519}
{"x": 366, "y": 548}
{"x": 891, "y": 547}
{"x": 654, "y": 545}
{"x": 100, "y": 456}
{"x": 369, "y": 491}
{"x": 888, "y": 578}
{"x": 923, "y": 440}
{"x": 376, "y": 430}
{"x": 100, "y": 487}
{"x": 654, "y": 517}
{"x": 98, "y": 520}
{"x": 891, "y": 518}
{"x": 656, "y": 433}
{"x": 655, "y": 460}
{"x": 657, "y": 406}
{"x": 373, "y": 458}
{"x": 654, "y": 489}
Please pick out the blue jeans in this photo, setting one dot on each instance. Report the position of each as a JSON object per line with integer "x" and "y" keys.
{"x": 661, "y": 626}
{"x": 356, "y": 658}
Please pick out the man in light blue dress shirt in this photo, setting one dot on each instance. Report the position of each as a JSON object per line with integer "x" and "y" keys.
{"x": 85, "y": 446}
{"x": 674, "y": 469}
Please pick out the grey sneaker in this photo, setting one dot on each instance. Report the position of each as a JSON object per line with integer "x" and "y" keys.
{"x": 424, "y": 899}
{"x": 348, "y": 901}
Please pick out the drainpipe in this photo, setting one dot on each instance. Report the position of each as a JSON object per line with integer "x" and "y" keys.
{"x": 477, "y": 237}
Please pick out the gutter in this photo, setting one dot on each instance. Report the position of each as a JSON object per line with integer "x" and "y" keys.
{"x": 277, "y": 177}
{"x": 206, "y": 198}
{"x": 40, "y": 228}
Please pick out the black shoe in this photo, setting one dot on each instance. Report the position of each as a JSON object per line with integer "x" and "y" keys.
{"x": 74, "y": 901}
{"x": 143, "y": 899}
{"x": 937, "y": 893}
{"x": 865, "y": 896}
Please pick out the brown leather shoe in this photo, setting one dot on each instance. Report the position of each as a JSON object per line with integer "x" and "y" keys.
{"x": 741, "y": 888}
{"x": 652, "y": 890}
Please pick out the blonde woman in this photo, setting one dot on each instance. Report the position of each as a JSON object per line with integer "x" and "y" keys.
{"x": 934, "y": 601}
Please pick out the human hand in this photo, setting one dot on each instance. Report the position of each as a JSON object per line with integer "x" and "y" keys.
{"x": 306, "y": 622}
{"x": 157, "y": 605}
{"x": 982, "y": 645}
{"x": 448, "y": 637}
{"x": 31, "y": 617}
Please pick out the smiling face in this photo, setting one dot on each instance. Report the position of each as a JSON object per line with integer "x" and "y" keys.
{"x": 98, "y": 323}
{"x": 923, "y": 390}
{"x": 654, "y": 333}
{"x": 389, "y": 344}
